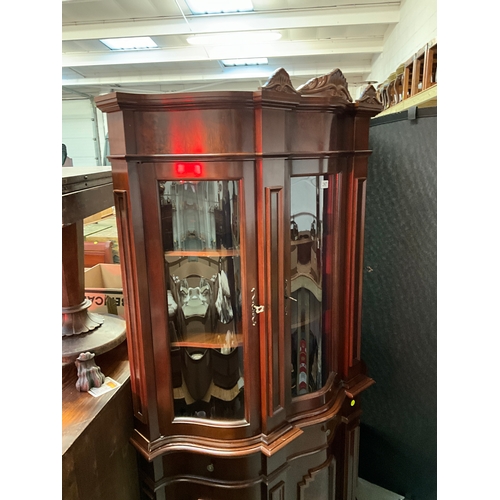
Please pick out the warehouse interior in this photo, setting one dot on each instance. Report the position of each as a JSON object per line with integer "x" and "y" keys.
{"x": 372, "y": 43}
{"x": 367, "y": 40}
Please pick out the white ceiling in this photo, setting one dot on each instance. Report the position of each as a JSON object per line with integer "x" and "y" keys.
{"x": 317, "y": 37}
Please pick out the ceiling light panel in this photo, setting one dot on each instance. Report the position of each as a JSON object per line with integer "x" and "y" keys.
{"x": 134, "y": 43}
{"x": 219, "y": 6}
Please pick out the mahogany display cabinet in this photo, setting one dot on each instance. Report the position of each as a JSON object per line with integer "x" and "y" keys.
{"x": 241, "y": 217}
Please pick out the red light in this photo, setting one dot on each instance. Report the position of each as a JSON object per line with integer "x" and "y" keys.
{"x": 189, "y": 169}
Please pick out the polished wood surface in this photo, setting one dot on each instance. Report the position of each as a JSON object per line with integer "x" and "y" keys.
{"x": 98, "y": 460}
{"x": 85, "y": 191}
{"x": 79, "y": 409}
{"x": 284, "y": 448}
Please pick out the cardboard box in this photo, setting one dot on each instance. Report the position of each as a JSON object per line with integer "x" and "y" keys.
{"x": 104, "y": 282}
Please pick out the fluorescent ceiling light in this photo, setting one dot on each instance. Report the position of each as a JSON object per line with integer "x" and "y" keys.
{"x": 219, "y": 6}
{"x": 234, "y": 38}
{"x": 256, "y": 61}
{"x": 134, "y": 43}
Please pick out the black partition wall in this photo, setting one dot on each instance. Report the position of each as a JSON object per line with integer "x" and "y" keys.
{"x": 398, "y": 442}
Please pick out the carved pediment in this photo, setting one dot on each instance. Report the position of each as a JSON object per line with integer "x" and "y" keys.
{"x": 370, "y": 97}
{"x": 331, "y": 85}
{"x": 280, "y": 81}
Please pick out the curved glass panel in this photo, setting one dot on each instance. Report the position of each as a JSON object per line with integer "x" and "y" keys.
{"x": 200, "y": 232}
{"x": 306, "y": 283}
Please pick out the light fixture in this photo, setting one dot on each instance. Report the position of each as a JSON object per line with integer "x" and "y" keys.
{"x": 219, "y": 6}
{"x": 255, "y": 61}
{"x": 234, "y": 38}
{"x": 134, "y": 43}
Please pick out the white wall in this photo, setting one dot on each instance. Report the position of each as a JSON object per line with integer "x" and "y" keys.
{"x": 83, "y": 132}
{"x": 417, "y": 27}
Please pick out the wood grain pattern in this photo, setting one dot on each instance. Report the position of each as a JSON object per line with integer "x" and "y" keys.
{"x": 98, "y": 460}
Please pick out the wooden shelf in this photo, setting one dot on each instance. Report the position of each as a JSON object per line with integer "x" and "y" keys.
{"x": 206, "y": 340}
{"x": 302, "y": 241}
{"x": 202, "y": 253}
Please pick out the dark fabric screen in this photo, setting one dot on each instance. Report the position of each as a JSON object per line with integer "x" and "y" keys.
{"x": 398, "y": 443}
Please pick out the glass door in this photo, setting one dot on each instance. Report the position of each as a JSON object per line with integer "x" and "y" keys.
{"x": 200, "y": 224}
{"x": 308, "y": 291}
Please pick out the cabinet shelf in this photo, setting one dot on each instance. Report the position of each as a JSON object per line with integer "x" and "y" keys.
{"x": 202, "y": 253}
{"x": 206, "y": 340}
{"x": 302, "y": 241}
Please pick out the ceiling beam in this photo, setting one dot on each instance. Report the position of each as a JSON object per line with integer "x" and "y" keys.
{"x": 373, "y": 45}
{"x": 263, "y": 72}
{"x": 387, "y": 13}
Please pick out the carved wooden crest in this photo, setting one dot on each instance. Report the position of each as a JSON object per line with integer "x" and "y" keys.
{"x": 280, "y": 81}
{"x": 332, "y": 84}
{"x": 369, "y": 97}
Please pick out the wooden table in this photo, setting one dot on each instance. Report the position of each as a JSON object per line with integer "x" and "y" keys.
{"x": 98, "y": 461}
{"x": 85, "y": 190}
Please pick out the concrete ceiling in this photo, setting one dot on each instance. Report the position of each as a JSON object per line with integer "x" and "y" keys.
{"x": 317, "y": 36}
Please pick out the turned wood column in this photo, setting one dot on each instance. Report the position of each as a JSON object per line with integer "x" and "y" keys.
{"x": 75, "y": 316}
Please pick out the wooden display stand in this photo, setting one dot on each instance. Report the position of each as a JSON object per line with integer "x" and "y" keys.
{"x": 206, "y": 186}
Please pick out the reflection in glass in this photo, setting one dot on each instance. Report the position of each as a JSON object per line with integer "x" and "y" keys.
{"x": 200, "y": 232}
{"x": 306, "y": 283}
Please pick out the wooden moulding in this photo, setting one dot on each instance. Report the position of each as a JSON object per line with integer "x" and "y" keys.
{"x": 333, "y": 84}
{"x": 267, "y": 444}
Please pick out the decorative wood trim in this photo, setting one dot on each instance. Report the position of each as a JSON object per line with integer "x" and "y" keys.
{"x": 266, "y": 444}
{"x": 333, "y": 84}
{"x": 277, "y": 492}
{"x": 275, "y": 293}
{"x": 227, "y": 157}
{"x": 311, "y": 476}
{"x": 215, "y": 482}
{"x": 280, "y": 81}
{"x": 119, "y": 101}
{"x": 358, "y": 385}
{"x": 360, "y": 200}
{"x": 369, "y": 100}
{"x": 135, "y": 347}
{"x": 351, "y": 458}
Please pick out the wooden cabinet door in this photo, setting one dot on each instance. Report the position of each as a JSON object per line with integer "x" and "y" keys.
{"x": 273, "y": 283}
{"x": 199, "y": 240}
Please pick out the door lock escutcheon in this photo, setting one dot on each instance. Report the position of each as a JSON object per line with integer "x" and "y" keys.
{"x": 255, "y": 308}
